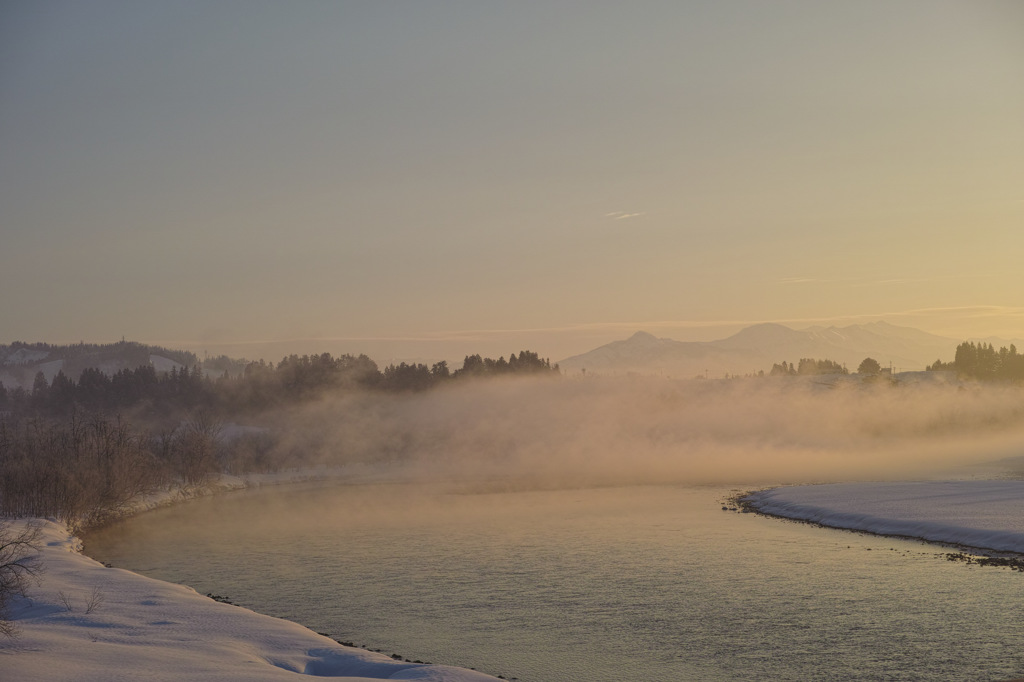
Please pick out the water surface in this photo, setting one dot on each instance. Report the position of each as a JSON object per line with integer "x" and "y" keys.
{"x": 613, "y": 584}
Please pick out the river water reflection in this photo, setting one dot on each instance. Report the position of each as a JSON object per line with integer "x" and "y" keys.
{"x": 653, "y": 583}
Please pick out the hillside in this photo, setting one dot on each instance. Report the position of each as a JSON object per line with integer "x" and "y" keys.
{"x": 20, "y": 362}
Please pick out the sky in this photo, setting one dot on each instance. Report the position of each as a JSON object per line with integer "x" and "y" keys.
{"x": 428, "y": 179}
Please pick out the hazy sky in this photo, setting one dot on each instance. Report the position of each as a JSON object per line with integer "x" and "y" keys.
{"x": 545, "y": 175}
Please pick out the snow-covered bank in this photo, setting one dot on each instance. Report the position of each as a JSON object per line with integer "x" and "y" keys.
{"x": 981, "y": 514}
{"x": 139, "y": 628}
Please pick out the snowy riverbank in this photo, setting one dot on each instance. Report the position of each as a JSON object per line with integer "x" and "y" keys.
{"x": 979, "y": 514}
{"x": 85, "y": 621}
{"x": 89, "y": 622}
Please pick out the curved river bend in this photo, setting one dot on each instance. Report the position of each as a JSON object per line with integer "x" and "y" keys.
{"x": 600, "y": 585}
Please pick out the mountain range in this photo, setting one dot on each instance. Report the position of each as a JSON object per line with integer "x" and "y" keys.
{"x": 758, "y": 347}
{"x": 749, "y": 351}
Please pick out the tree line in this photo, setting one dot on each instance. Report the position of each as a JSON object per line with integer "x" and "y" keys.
{"x": 807, "y": 366}
{"x": 977, "y": 361}
{"x": 69, "y": 451}
{"x": 147, "y": 393}
{"x": 983, "y": 362}
{"x": 79, "y": 356}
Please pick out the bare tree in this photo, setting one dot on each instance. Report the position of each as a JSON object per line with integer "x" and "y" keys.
{"x": 78, "y": 471}
{"x": 19, "y": 566}
{"x": 91, "y": 602}
{"x": 197, "y": 445}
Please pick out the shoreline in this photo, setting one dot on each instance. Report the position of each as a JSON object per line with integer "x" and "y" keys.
{"x": 81, "y": 606}
{"x": 224, "y": 483}
{"x": 254, "y": 646}
{"x": 934, "y": 534}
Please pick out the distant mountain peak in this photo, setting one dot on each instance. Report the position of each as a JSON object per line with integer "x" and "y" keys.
{"x": 763, "y": 333}
{"x": 757, "y": 347}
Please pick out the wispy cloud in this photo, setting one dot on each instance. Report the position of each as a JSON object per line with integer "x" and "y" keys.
{"x": 919, "y": 280}
{"x": 971, "y": 311}
{"x": 800, "y": 280}
{"x": 623, "y": 215}
{"x": 895, "y": 281}
{"x": 880, "y": 282}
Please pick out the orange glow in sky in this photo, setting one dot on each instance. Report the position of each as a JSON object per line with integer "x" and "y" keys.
{"x": 527, "y": 175}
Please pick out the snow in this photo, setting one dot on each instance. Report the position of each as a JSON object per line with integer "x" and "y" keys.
{"x": 26, "y": 376}
{"x": 50, "y": 369}
{"x": 987, "y": 515}
{"x": 162, "y": 364}
{"x": 24, "y": 356}
{"x": 143, "y": 628}
{"x": 146, "y": 629}
{"x": 149, "y": 629}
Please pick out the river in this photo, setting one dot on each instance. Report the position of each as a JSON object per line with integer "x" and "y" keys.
{"x": 651, "y": 583}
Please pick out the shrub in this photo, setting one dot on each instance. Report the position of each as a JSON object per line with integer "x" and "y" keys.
{"x": 19, "y": 565}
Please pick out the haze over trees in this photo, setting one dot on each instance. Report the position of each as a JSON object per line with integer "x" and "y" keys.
{"x": 869, "y": 366}
{"x": 145, "y": 393}
{"x": 64, "y": 454}
{"x": 80, "y": 448}
{"x": 983, "y": 362}
{"x": 808, "y": 367}
{"x": 20, "y": 357}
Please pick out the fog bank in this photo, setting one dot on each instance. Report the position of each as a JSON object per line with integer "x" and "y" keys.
{"x": 606, "y": 431}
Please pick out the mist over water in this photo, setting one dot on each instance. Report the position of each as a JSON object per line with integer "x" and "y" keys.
{"x": 612, "y": 584}
{"x": 624, "y": 430}
{"x": 512, "y": 525}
